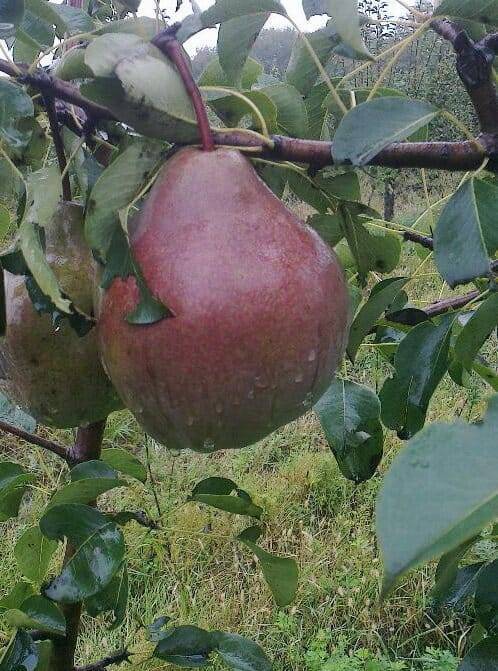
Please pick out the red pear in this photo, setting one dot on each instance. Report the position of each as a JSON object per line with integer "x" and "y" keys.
{"x": 260, "y": 302}
{"x": 53, "y": 374}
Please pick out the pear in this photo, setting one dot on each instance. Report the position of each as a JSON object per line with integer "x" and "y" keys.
{"x": 260, "y": 304}
{"x": 50, "y": 372}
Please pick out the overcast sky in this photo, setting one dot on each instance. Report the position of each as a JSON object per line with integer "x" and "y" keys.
{"x": 294, "y": 9}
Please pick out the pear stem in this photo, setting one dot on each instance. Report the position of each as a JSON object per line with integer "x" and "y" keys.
{"x": 166, "y": 42}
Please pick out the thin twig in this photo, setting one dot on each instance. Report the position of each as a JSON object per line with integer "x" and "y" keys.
{"x": 49, "y": 445}
{"x": 117, "y": 658}
{"x": 59, "y": 146}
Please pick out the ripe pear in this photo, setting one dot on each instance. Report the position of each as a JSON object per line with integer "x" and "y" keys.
{"x": 50, "y": 372}
{"x": 261, "y": 308}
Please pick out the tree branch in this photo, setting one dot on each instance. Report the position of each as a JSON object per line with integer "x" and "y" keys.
{"x": 49, "y": 445}
{"x": 117, "y": 658}
{"x": 454, "y": 303}
{"x": 423, "y": 240}
{"x": 58, "y": 144}
{"x": 475, "y": 69}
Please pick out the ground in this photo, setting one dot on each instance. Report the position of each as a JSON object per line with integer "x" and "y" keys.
{"x": 193, "y": 570}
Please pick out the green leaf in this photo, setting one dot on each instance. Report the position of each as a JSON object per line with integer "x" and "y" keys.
{"x": 486, "y": 373}
{"x": 281, "y": 573}
{"x": 239, "y": 653}
{"x": 329, "y": 226}
{"x": 302, "y": 71}
{"x": 73, "y": 64}
{"x": 33, "y": 553}
{"x": 149, "y": 309}
{"x": 483, "y": 11}
{"x": 224, "y": 10}
{"x": 13, "y": 483}
{"x": 421, "y": 362}
{"x": 15, "y": 106}
{"x": 232, "y": 109}
{"x": 373, "y": 248}
{"x": 45, "y": 651}
{"x": 346, "y": 22}
{"x": 113, "y": 598}
{"x": 37, "y": 612}
{"x": 274, "y": 177}
{"x": 105, "y": 52}
{"x": 33, "y": 35}
{"x": 307, "y": 190}
{"x": 476, "y": 331}
{"x": 213, "y": 74}
{"x": 482, "y": 657}
{"x": 368, "y": 128}
{"x": 43, "y": 197}
{"x": 13, "y": 415}
{"x": 381, "y": 297}
{"x": 186, "y": 646}
{"x": 66, "y": 19}
{"x": 463, "y": 587}
{"x": 350, "y": 417}
{"x": 451, "y": 585}
{"x": 99, "y": 551}
{"x": 292, "y": 116}
{"x": 440, "y": 491}
{"x": 486, "y": 597}
{"x": 88, "y": 481}
{"x": 139, "y": 75}
{"x": 318, "y": 118}
{"x": 11, "y": 14}
{"x": 344, "y": 186}
{"x": 20, "y": 655}
{"x": 236, "y": 38}
{"x": 314, "y": 7}
{"x": 466, "y": 234}
{"x": 217, "y": 492}
{"x": 4, "y": 222}
{"x": 125, "y": 462}
{"x": 115, "y": 189}
{"x": 19, "y": 593}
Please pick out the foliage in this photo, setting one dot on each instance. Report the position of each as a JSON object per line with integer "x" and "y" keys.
{"x": 137, "y": 103}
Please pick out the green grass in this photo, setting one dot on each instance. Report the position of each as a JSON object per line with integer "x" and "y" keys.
{"x": 193, "y": 570}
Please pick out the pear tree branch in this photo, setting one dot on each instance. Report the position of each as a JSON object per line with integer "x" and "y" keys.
{"x": 49, "y": 445}
{"x": 118, "y": 658}
{"x": 450, "y": 156}
{"x": 49, "y": 102}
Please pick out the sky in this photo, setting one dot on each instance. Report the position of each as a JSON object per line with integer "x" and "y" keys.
{"x": 293, "y": 7}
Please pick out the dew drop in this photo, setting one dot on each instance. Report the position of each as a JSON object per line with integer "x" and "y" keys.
{"x": 312, "y": 355}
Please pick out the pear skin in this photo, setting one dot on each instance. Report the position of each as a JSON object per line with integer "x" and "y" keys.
{"x": 260, "y": 302}
{"x": 52, "y": 373}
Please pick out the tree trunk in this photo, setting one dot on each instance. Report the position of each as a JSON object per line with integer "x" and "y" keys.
{"x": 86, "y": 448}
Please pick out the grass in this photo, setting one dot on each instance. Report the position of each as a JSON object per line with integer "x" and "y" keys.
{"x": 193, "y": 570}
